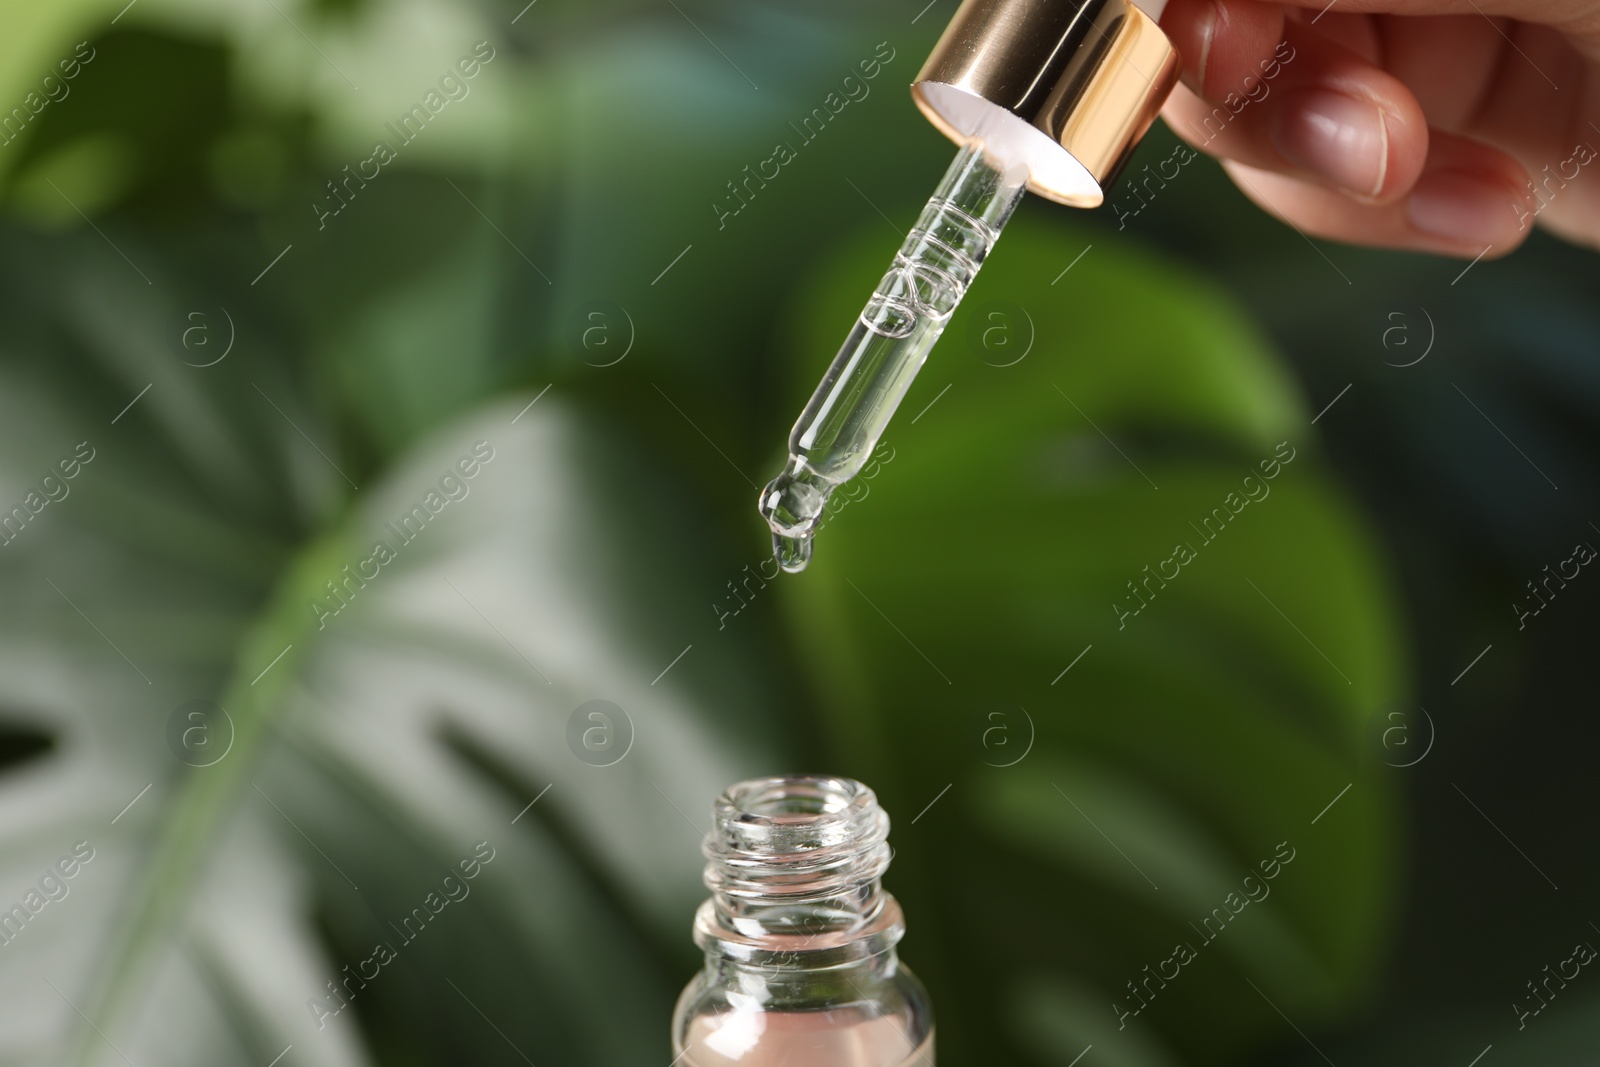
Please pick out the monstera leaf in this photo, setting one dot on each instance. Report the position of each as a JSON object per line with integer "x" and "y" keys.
{"x": 1109, "y": 640}
{"x": 322, "y": 786}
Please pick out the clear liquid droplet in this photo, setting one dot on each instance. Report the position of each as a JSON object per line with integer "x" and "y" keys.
{"x": 792, "y": 503}
{"x": 792, "y": 553}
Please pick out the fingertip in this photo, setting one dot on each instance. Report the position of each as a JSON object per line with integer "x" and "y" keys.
{"x": 1222, "y": 41}
{"x": 1467, "y": 211}
{"x": 1278, "y": 95}
{"x": 1473, "y": 196}
{"x": 1347, "y": 124}
{"x": 1468, "y": 203}
{"x": 1339, "y": 138}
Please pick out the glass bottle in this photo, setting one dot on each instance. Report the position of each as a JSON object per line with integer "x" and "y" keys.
{"x": 799, "y": 936}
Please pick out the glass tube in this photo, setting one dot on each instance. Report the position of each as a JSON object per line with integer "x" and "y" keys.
{"x": 836, "y": 433}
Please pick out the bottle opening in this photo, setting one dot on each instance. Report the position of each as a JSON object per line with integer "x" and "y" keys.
{"x": 783, "y": 799}
{"x": 794, "y": 813}
{"x": 796, "y": 856}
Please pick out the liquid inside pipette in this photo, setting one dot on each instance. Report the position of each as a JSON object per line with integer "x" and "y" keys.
{"x": 840, "y": 426}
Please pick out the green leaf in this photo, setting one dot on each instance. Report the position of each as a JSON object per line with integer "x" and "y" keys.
{"x": 964, "y": 612}
{"x": 377, "y": 729}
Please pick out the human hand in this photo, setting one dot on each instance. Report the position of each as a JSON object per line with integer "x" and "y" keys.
{"x": 1414, "y": 124}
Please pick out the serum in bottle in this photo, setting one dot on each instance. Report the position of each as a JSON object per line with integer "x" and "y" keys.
{"x": 799, "y": 936}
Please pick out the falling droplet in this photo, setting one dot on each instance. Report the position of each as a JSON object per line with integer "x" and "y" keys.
{"x": 792, "y": 503}
{"x": 792, "y": 553}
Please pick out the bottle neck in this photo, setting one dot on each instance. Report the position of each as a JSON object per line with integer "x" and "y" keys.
{"x": 794, "y": 865}
{"x": 799, "y": 981}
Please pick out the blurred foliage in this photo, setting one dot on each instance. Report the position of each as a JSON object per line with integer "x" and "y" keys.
{"x": 613, "y": 531}
{"x": 1008, "y": 517}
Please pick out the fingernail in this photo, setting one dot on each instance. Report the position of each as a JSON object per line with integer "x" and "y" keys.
{"x": 1334, "y": 135}
{"x": 1462, "y": 207}
{"x": 1208, "y": 33}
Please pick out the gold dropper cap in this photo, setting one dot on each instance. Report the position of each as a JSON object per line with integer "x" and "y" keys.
{"x": 1067, "y": 86}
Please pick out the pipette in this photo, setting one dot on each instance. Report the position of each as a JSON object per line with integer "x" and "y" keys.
{"x": 1047, "y": 95}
